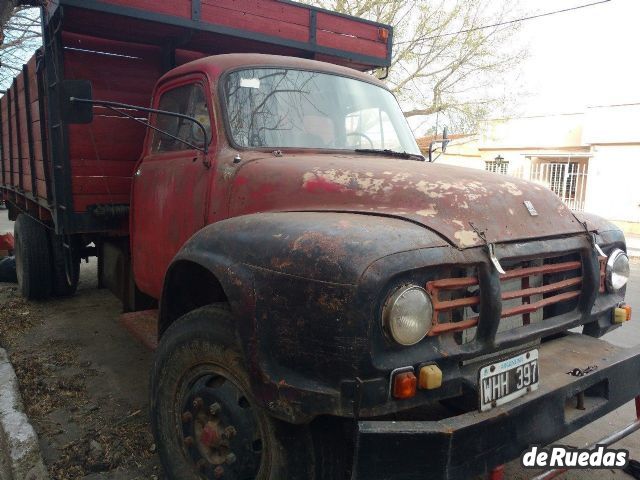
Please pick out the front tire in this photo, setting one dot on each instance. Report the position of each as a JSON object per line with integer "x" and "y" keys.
{"x": 33, "y": 258}
{"x": 205, "y": 420}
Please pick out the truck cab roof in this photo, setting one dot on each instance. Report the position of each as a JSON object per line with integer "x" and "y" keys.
{"x": 215, "y": 65}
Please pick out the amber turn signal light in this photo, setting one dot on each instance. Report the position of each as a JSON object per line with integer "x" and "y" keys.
{"x": 404, "y": 385}
{"x": 622, "y": 313}
{"x": 430, "y": 377}
{"x": 383, "y": 34}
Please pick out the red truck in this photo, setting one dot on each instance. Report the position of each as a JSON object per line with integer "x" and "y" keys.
{"x": 329, "y": 304}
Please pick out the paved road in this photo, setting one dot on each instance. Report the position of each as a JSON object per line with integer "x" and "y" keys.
{"x": 626, "y": 336}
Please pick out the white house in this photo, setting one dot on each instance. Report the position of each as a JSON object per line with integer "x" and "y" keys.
{"x": 590, "y": 159}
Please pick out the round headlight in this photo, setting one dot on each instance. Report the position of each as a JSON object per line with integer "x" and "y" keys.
{"x": 407, "y": 314}
{"x": 617, "y": 272}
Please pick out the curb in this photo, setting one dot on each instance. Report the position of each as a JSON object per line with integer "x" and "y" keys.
{"x": 20, "y": 457}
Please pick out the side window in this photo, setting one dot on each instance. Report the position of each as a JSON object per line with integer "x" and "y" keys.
{"x": 188, "y": 100}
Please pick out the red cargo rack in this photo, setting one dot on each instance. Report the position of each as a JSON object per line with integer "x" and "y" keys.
{"x": 63, "y": 174}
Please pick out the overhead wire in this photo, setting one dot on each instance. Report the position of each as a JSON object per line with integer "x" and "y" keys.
{"x": 515, "y": 20}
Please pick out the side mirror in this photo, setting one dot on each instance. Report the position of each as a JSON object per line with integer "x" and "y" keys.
{"x": 76, "y": 112}
{"x": 443, "y": 146}
{"x": 445, "y": 139}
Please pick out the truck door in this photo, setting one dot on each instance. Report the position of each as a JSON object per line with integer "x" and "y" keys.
{"x": 171, "y": 184}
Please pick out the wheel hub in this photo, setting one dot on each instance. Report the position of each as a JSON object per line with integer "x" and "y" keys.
{"x": 219, "y": 428}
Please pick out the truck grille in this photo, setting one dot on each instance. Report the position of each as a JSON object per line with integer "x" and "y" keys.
{"x": 532, "y": 291}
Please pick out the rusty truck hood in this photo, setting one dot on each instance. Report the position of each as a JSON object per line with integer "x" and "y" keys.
{"x": 456, "y": 202}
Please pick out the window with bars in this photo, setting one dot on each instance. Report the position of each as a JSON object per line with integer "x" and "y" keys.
{"x": 497, "y": 167}
{"x": 563, "y": 179}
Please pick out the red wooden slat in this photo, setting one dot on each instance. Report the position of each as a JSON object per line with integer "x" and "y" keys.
{"x": 15, "y": 157}
{"x": 351, "y": 44}
{"x": 112, "y": 77}
{"x": 37, "y": 148}
{"x": 254, "y": 23}
{"x": 103, "y": 167}
{"x": 82, "y": 201}
{"x": 267, "y": 9}
{"x": 35, "y": 111}
{"x": 103, "y": 153}
{"x": 178, "y": 8}
{"x": 132, "y": 49}
{"x": 5, "y": 139}
{"x": 346, "y": 26}
{"x": 25, "y": 160}
{"x": 41, "y": 188}
{"x": 26, "y": 178}
{"x": 101, "y": 185}
{"x": 108, "y": 138}
{"x": 39, "y": 170}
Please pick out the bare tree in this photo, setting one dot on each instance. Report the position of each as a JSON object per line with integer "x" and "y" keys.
{"x": 20, "y": 36}
{"x": 445, "y": 62}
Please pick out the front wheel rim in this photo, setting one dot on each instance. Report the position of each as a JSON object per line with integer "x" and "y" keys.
{"x": 218, "y": 429}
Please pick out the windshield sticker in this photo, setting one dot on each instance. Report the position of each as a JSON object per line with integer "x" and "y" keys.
{"x": 250, "y": 82}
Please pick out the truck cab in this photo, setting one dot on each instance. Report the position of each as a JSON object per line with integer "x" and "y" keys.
{"x": 268, "y": 119}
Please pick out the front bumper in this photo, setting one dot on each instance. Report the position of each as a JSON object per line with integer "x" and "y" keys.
{"x": 474, "y": 443}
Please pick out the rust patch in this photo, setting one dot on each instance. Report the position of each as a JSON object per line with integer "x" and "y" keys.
{"x": 512, "y": 188}
{"x": 430, "y": 211}
{"x": 466, "y": 238}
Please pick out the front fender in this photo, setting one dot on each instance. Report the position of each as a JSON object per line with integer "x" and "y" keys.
{"x": 607, "y": 232}
{"x": 324, "y": 246}
{"x": 291, "y": 279}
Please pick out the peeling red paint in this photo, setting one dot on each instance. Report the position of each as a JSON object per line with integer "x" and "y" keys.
{"x": 320, "y": 184}
{"x": 464, "y": 205}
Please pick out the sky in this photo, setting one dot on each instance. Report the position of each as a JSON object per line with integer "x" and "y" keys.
{"x": 577, "y": 59}
{"x": 581, "y": 58}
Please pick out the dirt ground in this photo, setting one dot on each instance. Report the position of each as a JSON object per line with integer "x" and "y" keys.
{"x": 84, "y": 382}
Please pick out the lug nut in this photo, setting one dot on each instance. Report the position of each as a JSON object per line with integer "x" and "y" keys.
{"x": 187, "y": 417}
{"x": 197, "y": 403}
{"x": 218, "y": 472}
{"x": 231, "y": 458}
{"x": 230, "y": 432}
{"x": 214, "y": 408}
{"x": 188, "y": 441}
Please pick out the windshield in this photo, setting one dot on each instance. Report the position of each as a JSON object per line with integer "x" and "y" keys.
{"x": 280, "y": 108}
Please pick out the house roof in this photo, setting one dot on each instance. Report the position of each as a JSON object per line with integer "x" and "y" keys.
{"x": 423, "y": 142}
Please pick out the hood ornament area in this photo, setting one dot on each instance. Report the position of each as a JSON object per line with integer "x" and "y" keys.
{"x": 532, "y": 210}
{"x": 491, "y": 248}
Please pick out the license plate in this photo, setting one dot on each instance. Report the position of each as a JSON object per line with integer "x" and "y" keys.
{"x": 508, "y": 379}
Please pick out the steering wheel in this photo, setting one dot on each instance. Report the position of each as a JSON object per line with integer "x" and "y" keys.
{"x": 362, "y": 135}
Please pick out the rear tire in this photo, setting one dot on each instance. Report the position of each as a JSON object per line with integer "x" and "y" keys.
{"x": 198, "y": 365}
{"x": 33, "y": 258}
{"x": 65, "y": 267}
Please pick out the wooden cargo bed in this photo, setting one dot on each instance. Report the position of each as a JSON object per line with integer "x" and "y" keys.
{"x": 65, "y": 173}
